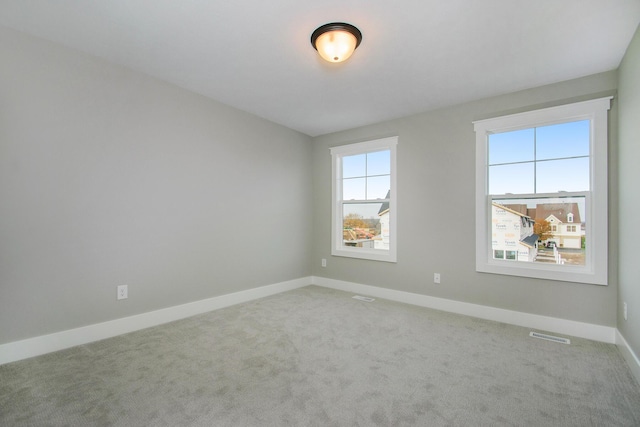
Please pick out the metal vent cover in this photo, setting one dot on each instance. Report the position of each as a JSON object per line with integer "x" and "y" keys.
{"x": 549, "y": 338}
{"x": 361, "y": 298}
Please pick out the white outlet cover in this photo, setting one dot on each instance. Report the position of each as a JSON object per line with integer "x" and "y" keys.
{"x": 122, "y": 292}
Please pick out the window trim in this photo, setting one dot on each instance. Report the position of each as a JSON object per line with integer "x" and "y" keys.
{"x": 337, "y": 153}
{"x": 596, "y": 269}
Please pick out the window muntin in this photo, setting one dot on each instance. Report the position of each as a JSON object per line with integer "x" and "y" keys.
{"x": 551, "y": 157}
{"x": 364, "y": 212}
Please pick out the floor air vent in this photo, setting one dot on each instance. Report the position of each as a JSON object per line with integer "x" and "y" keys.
{"x": 549, "y": 338}
{"x": 367, "y": 299}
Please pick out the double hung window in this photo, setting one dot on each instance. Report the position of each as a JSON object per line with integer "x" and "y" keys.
{"x": 364, "y": 200}
{"x": 536, "y": 173}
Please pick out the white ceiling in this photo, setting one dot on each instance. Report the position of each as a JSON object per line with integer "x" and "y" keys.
{"x": 415, "y": 56}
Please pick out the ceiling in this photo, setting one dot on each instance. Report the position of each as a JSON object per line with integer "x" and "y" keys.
{"x": 415, "y": 56}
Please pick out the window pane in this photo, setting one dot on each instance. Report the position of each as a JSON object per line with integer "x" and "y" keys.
{"x": 353, "y": 166}
{"x": 509, "y": 147}
{"x": 516, "y": 179}
{"x": 549, "y": 240}
{"x": 353, "y": 188}
{"x": 562, "y": 175}
{"x": 378, "y": 187}
{"x": 563, "y": 140}
{"x": 366, "y": 225}
{"x": 379, "y": 163}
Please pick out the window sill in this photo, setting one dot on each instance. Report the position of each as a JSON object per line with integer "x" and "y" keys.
{"x": 372, "y": 255}
{"x": 560, "y": 273}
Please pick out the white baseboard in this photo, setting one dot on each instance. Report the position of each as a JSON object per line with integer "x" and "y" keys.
{"x": 36, "y": 346}
{"x": 632, "y": 359}
{"x": 550, "y": 324}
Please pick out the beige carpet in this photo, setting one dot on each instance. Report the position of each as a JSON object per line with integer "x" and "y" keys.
{"x": 317, "y": 357}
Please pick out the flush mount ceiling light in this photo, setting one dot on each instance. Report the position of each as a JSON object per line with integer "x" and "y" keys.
{"x": 336, "y": 42}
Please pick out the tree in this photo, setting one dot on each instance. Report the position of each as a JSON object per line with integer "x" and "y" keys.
{"x": 542, "y": 228}
{"x": 353, "y": 220}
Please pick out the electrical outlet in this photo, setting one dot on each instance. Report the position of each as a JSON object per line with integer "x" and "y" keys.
{"x": 324, "y": 262}
{"x": 624, "y": 310}
{"x": 436, "y": 277}
{"x": 123, "y": 292}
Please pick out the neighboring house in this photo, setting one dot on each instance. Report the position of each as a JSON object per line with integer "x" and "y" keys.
{"x": 564, "y": 218}
{"x": 383, "y": 213}
{"x": 358, "y": 237}
{"x": 565, "y": 221}
{"x": 512, "y": 234}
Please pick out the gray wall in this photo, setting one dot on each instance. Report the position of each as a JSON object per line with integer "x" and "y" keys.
{"x": 111, "y": 177}
{"x": 436, "y": 205}
{"x": 629, "y": 177}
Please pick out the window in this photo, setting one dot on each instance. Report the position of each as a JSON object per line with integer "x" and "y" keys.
{"x": 364, "y": 200}
{"x": 502, "y": 254}
{"x": 547, "y": 168}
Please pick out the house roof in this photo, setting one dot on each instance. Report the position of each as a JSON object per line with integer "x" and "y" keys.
{"x": 414, "y": 57}
{"x": 559, "y": 210}
{"x": 509, "y": 208}
{"x": 545, "y": 210}
{"x": 384, "y": 208}
{"x": 357, "y": 234}
{"x": 519, "y": 208}
{"x": 530, "y": 241}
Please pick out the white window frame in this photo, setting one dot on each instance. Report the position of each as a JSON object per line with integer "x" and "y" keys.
{"x": 595, "y": 269}
{"x": 337, "y": 247}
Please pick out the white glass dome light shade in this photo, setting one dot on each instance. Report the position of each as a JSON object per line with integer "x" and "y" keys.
{"x": 336, "y": 46}
{"x": 336, "y": 42}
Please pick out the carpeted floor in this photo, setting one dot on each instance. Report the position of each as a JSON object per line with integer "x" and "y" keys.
{"x": 317, "y": 357}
